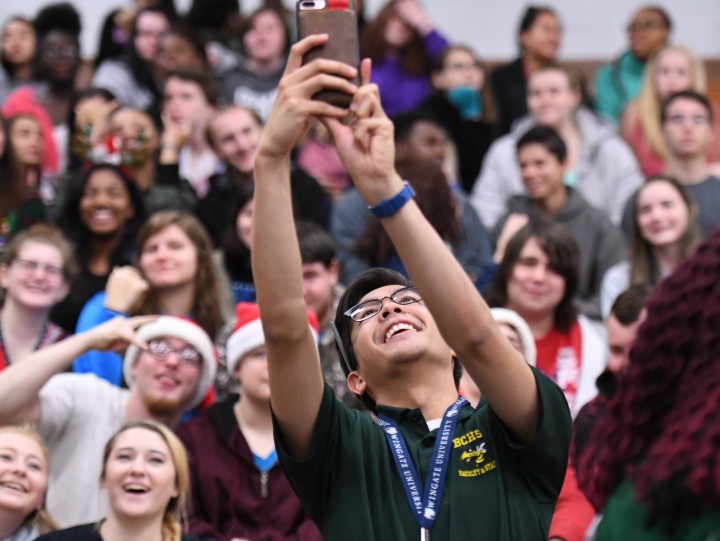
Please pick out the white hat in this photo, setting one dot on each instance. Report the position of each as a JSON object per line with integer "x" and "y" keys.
{"x": 183, "y": 329}
{"x": 527, "y": 340}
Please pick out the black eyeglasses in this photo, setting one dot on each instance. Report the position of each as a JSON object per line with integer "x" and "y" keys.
{"x": 372, "y": 307}
{"x": 187, "y": 355}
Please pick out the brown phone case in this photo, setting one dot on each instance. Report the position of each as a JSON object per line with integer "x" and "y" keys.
{"x": 341, "y": 26}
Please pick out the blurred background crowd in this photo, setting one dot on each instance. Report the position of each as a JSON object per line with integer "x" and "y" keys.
{"x": 567, "y": 189}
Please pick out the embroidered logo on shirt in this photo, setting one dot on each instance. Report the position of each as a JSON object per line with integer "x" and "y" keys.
{"x": 478, "y": 454}
{"x": 474, "y": 453}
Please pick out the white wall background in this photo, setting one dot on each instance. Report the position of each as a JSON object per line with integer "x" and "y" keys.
{"x": 594, "y": 29}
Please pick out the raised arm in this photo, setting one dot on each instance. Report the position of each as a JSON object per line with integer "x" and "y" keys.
{"x": 296, "y": 383}
{"x": 366, "y": 148}
{"x": 21, "y": 382}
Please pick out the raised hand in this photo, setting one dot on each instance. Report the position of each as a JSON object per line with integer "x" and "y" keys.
{"x": 117, "y": 333}
{"x": 294, "y": 106}
{"x": 94, "y": 112}
{"x": 124, "y": 287}
{"x": 365, "y": 145}
{"x": 414, "y": 15}
{"x": 174, "y": 137}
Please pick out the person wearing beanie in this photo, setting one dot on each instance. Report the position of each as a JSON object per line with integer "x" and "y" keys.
{"x": 238, "y": 489}
{"x": 169, "y": 365}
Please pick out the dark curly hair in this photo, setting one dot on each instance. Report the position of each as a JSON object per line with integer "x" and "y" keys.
{"x": 663, "y": 428}
{"x": 77, "y": 231}
{"x": 60, "y": 17}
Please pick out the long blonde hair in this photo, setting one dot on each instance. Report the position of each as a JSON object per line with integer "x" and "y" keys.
{"x": 39, "y": 519}
{"x": 174, "y": 515}
{"x": 649, "y": 101}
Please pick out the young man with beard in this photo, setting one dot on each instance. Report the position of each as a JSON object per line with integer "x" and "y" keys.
{"x": 169, "y": 367}
{"x": 496, "y": 471}
{"x": 233, "y": 134}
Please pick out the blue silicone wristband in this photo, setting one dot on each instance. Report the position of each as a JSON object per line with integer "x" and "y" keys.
{"x": 390, "y": 206}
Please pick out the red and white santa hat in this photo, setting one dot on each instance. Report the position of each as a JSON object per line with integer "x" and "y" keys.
{"x": 184, "y": 329}
{"x": 247, "y": 333}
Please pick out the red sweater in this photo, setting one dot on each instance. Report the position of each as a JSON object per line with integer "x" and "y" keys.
{"x": 573, "y": 512}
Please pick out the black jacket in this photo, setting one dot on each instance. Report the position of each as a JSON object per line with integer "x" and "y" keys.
{"x": 472, "y": 138}
{"x": 310, "y": 202}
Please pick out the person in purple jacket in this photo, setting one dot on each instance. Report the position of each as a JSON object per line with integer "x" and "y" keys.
{"x": 403, "y": 45}
{"x": 239, "y": 491}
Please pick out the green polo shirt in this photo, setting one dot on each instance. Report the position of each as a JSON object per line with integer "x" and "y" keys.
{"x": 495, "y": 488}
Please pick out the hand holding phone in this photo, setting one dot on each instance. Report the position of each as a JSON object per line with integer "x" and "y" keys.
{"x": 338, "y": 19}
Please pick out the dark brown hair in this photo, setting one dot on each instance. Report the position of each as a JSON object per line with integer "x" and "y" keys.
{"x": 562, "y": 251}
{"x": 373, "y": 44}
{"x": 205, "y": 310}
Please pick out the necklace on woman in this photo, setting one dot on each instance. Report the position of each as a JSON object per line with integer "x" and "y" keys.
{"x": 5, "y": 356}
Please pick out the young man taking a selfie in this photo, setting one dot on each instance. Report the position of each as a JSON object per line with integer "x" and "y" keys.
{"x": 428, "y": 465}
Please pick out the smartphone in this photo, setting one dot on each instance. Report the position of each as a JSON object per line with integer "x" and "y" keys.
{"x": 338, "y": 19}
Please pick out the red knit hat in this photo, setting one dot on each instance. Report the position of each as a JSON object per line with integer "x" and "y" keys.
{"x": 247, "y": 333}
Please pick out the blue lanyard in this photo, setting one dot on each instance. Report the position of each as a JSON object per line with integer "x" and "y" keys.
{"x": 425, "y": 507}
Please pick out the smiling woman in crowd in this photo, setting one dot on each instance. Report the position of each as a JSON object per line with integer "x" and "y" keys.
{"x": 35, "y": 273}
{"x": 174, "y": 275}
{"x": 146, "y": 475}
{"x": 24, "y": 466}
{"x": 102, "y": 214}
{"x": 665, "y": 233}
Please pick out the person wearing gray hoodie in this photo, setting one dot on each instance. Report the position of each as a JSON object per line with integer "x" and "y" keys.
{"x": 600, "y": 165}
{"x": 542, "y": 155}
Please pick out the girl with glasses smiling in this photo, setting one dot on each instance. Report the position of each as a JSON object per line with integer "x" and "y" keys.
{"x": 34, "y": 277}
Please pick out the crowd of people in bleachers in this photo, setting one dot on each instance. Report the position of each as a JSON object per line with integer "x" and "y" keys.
{"x": 134, "y": 393}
